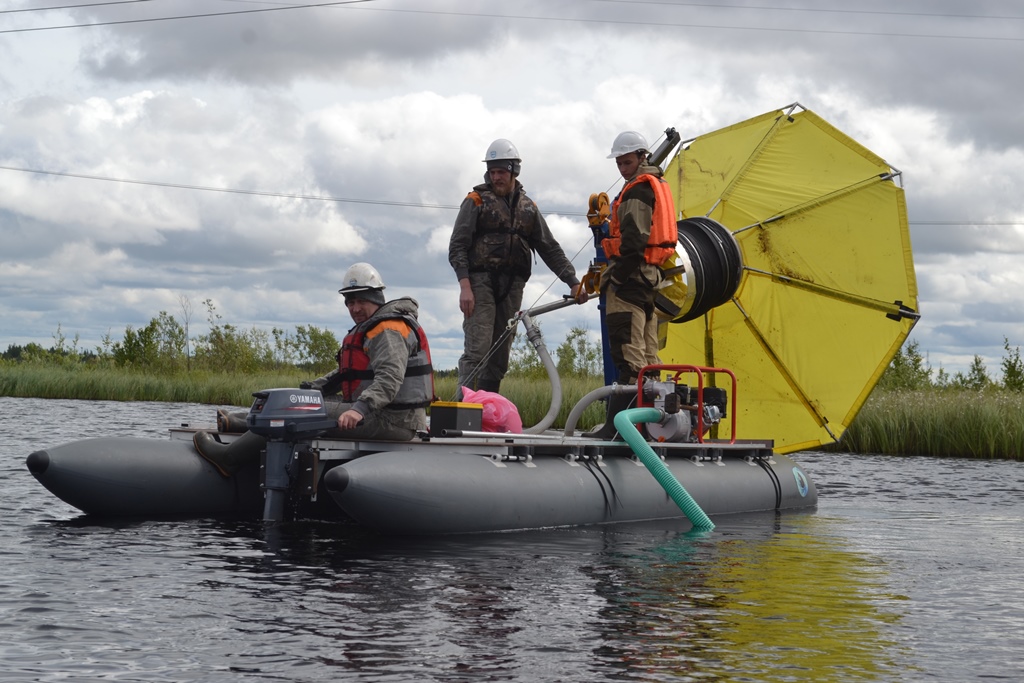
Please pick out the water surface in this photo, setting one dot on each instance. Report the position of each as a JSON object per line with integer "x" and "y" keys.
{"x": 908, "y": 570}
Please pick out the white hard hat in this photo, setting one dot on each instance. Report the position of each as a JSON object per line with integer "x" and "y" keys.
{"x": 504, "y": 155}
{"x": 501, "y": 149}
{"x": 626, "y": 142}
{"x": 361, "y": 277}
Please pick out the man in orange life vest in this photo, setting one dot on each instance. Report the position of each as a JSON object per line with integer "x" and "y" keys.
{"x": 642, "y": 234}
{"x": 382, "y": 385}
{"x": 495, "y": 233}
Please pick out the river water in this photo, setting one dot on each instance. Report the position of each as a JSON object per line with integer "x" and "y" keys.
{"x": 910, "y": 569}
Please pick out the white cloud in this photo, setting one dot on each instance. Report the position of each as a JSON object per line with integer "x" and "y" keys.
{"x": 388, "y": 110}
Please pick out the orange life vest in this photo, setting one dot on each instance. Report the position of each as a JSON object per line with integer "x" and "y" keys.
{"x": 661, "y": 243}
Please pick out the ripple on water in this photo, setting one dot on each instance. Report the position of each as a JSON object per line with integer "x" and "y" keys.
{"x": 906, "y": 571}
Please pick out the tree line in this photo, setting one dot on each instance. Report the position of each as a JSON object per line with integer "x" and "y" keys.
{"x": 910, "y": 370}
{"x": 165, "y": 346}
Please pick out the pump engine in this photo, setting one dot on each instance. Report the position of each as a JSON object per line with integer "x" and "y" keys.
{"x": 688, "y": 415}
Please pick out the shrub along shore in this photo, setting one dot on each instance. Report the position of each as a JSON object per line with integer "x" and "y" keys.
{"x": 946, "y": 422}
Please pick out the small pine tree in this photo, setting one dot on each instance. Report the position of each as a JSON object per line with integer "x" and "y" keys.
{"x": 1013, "y": 368}
{"x": 909, "y": 370}
{"x": 976, "y": 378}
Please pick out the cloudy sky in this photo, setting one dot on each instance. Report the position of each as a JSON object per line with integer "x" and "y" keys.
{"x": 152, "y": 153}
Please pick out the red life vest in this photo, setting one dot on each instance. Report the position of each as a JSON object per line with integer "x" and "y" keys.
{"x": 417, "y": 388}
{"x": 661, "y": 243}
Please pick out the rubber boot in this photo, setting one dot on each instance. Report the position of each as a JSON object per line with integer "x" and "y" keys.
{"x": 231, "y": 421}
{"x": 228, "y": 458}
{"x": 616, "y": 404}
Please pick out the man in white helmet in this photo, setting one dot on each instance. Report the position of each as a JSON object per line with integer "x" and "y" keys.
{"x": 642, "y": 233}
{"x": 491, "y": 250}
{"x": 382, "y": 385}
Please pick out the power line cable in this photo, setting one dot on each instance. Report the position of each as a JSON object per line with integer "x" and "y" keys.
{"x": 184, "y": 16}
{"x": 765, "y": 8}
{"x": 57, "y": 7}
{"x": 662, "y": 24}
{"x": 379, "y": 202}
{"x": 228, "y": 190}
{"x": 618, "y": 22}
{"x": 809, "y": 9}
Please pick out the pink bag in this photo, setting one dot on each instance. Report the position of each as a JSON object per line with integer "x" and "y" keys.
{"x": 499, "y": 415}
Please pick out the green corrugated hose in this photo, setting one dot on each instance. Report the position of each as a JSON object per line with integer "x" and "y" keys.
{"x": 624, "y": 423}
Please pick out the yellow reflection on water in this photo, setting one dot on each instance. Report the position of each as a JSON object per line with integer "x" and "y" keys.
{"x": 792, "y": 604}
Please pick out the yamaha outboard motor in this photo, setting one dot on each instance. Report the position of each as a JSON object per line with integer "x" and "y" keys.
{"x": 284, "y": 417}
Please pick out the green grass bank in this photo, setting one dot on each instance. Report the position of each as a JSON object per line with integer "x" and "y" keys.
{"x": 940, "y": 422}
{"x": 531, "y": 396}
